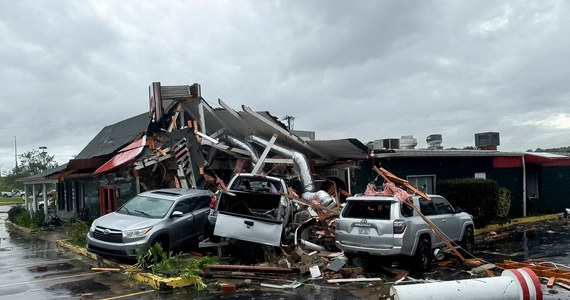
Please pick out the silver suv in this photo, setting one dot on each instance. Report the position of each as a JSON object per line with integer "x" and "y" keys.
{"x": 383, "y": 226}
{"x": 167, "y": 216}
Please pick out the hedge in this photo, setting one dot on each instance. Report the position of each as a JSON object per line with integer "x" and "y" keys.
{"x": 478, "y": 197}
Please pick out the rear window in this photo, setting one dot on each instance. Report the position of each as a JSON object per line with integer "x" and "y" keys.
{"x": 374, "y": 210}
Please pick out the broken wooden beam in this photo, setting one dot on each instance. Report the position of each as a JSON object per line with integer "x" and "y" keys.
{"x": 247, "y": 268}
{"x": 550, "y": 282}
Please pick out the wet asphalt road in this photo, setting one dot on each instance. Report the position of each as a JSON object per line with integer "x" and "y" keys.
{"x": 32, "y": 267}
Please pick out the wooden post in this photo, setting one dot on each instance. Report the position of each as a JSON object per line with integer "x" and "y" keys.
{"x": 259, "y": 166}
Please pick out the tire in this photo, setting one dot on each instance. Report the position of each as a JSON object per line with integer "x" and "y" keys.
{"x": 423, "y": 256}
{"x": 350, "y": 256}
{"x": 163, "y": 241}
{"x": 468, "y": 241}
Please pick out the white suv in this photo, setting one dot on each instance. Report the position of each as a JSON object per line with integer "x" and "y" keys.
{"x": 384, "y": 226}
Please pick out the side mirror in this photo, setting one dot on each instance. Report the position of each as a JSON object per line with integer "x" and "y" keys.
{"x": 458, "y": 210}
{"x": 176, "y": 214}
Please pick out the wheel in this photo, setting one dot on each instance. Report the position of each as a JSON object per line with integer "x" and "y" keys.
{"x": 163, "y": 242}
{"x": 468, "y": 241}
{"x": 350, "y": 256}
{"x": 423, "y": 255}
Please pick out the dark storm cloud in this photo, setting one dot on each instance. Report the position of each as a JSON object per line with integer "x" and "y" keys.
{"x": 365, "y": 69}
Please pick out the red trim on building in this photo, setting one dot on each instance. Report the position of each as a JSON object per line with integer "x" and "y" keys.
{"x": 507, "y": 162}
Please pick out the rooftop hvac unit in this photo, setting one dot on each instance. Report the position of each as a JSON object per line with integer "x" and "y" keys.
{"x": 434, "y": 141}
{"x": 408, "y": 142}
{"x": 487, "y": 139}
{"x": 391, "y": 143}
{"x": 386, "y": 144}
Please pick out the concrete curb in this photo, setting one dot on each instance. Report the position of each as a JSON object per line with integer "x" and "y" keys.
{"x": 154, "y": 281}
{"x": 517, "y": 221}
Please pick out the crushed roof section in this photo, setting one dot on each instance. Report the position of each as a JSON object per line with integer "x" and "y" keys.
{"x": 350, "y": 148}
{"x": 113, "y": 137}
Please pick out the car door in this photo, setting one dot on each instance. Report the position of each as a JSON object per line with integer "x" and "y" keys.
{"x": 182, "y": 227}
{"x": 200, "y": 208}
{"x": 447, "y": 221}
{"x": 428, "y": 209}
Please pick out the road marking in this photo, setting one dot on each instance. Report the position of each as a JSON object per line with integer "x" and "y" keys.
{"x": 40, "y": 263}
{"x": 23, "y": 251}
{"x": 49, "y": 279}
{"x": 130, "y": 295}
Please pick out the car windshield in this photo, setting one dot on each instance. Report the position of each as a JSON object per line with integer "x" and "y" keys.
{"x": 148, "y": 207}
{"x": 257, "y": 184}
{"x": 373, "y": 210}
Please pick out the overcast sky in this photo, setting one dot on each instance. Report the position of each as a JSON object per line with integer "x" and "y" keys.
{"x": 345, "y": 69}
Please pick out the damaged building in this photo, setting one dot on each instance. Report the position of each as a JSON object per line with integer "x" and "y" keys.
{"x": 183, "y": 141}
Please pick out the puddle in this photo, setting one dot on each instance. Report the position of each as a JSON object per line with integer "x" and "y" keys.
{"x": 81, "y": 287}
{"x": 546, "y": 240}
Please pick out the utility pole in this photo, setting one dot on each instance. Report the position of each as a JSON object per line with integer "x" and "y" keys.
{"x": 15, "y": 153}
{"x": 289, "y": 120}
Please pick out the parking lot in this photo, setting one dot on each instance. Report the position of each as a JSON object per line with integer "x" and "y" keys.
{"x": 32, "y": 266}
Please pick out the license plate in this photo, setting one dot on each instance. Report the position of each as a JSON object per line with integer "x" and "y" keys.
{"x": 363, "y": 230}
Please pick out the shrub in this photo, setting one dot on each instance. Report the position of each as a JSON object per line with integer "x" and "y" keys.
{"x": 504, "y": 204}
{"x": 164, "y": 262}
{"x": 78, "y": 233}
{"x": 22, "y": 217}
{"x": 479, "y": 197}
{"x": 14, "y": 211}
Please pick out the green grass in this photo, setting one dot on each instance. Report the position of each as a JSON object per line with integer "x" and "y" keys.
{"x": 11, "y": 201}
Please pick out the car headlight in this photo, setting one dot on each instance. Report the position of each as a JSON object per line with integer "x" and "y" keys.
{"x": 136, "y": 233}
{"x": 92, "y": 228}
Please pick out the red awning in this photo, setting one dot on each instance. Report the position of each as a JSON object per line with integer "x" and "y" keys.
{"x": 125, "y": 155}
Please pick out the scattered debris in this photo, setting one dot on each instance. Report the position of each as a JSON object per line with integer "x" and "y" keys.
{"x": 251, "y": 272}
{"x": 315, "y": 271}
{"x": 293, "y": 285}
{"x": 336, "y": 264}
{"x": 228, "y": 288}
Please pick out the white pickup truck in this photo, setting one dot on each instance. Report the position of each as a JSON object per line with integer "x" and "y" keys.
{"x": 13, "y": 193}
{"x": 253, "y": 209}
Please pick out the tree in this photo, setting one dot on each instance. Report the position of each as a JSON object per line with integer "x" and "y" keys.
{"x": 30, "y": 163}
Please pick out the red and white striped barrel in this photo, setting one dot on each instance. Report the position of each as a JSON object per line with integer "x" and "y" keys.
{"x": 519, "y": 284}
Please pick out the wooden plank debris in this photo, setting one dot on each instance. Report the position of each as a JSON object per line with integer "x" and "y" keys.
{"x": 259, "y": 166}
{"x": 117, "y": 270}
{"x": 551, "y": 281}
{"x": 539, "y": 268}
{"x": 343, "y": 280}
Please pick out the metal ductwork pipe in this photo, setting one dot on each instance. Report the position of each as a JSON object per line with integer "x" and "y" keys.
{"x": 239, "y": 144}
{"x": 323, "y": 197}
{"x": 299, "y": 159}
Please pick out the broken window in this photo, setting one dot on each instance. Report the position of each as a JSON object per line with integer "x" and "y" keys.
{"x": 443, "y": 207}
{"x": 426, "y": 207}
{"x": 374, "y": 210}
